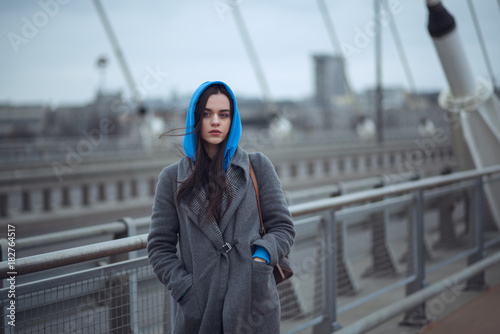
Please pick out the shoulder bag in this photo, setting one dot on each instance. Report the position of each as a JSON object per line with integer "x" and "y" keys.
{"x": 282, "y": 271}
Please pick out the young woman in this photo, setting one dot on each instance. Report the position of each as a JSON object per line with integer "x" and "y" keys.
{"x": 222, "y": 279}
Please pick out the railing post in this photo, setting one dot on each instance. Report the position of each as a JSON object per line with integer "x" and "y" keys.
{"x": 346, "y": 284}
{"x": 130, "y": 231}
{"x": 119, "y": 311}
{"x": 383, "y": 262}
{"x": 477, "y": 282}
{"x": 330, "y": 323}
{"x": 127, "y": 305}
{"x": 447, "y": 235}
{"x": 416, "y": 262}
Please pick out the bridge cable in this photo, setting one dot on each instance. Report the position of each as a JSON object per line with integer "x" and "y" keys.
{"x": 338, "y": 50}
{"x": 481, "y": 40}
{"x": 404, "y": 61}
{"x": 134, "y": 92}
{"x": 254, "y": 60}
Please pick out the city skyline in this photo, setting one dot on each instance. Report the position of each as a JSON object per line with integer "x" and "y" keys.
{"x": 50, "y": 48}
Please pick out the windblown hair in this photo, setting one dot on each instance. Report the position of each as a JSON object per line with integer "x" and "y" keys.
{"x": 208, "y": 174}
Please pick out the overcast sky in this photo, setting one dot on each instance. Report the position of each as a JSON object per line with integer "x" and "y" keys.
{"x": 49, "y": 52}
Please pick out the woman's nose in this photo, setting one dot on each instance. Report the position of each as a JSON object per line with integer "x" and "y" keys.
{"x": 215, "y": 120}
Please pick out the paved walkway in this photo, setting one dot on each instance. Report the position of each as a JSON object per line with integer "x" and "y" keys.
{"x": 470, "y": 313}
{"x": 480, "y": 315}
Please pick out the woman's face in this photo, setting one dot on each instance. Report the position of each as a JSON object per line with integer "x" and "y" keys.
{"x": 216, "y": 122}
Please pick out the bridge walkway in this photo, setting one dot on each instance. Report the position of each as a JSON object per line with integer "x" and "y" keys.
{"x": 480, "y": 315}
{"x": 471, "y": 312}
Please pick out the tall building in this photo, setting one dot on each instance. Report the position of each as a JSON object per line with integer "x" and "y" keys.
{"x": 329, "y": 77}
{"x": 331, "y": 93}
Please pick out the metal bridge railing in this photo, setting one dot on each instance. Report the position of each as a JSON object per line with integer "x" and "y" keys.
{"x": 337, "y": 265}
{"x": 125, "y": 227}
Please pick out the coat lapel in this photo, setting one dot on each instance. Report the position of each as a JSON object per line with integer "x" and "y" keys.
{"x": 239, "y": 180}
{"x": 185, "y": 169}
{"x": 238, "y": 177}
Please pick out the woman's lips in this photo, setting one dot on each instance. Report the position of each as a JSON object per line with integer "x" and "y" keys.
{"x": 215, "y": 132}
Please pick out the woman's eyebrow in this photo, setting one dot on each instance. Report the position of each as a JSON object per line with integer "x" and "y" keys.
{"x": 222, "y": 110}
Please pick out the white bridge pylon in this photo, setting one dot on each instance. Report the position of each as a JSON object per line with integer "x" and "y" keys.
{"x": 473, "y": 107}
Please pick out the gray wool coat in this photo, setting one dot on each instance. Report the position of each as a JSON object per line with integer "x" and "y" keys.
{"x": 219, "y": 291}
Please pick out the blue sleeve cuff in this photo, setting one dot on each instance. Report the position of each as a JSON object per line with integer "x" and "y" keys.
{"x": 262, "y": 253}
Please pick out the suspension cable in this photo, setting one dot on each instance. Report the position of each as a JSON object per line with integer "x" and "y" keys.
{"x": 336, "y": 47}
{"x": 404, "y": 60}
{"x": 481, "y": 40}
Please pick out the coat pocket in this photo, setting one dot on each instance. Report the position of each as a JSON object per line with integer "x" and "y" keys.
{"x": 265, "y": 299}
{"x": 188, "y": 312}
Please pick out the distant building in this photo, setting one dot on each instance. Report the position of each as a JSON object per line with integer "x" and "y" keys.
{"x": 22, "y": 121}
{"x": 331, "y": 90}
{"x": 73, "y": 120}
{"x": 253, "y": 112}
{"x": 329, "y": 79}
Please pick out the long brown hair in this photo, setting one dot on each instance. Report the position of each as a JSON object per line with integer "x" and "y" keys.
{"x": 208, "y": 174}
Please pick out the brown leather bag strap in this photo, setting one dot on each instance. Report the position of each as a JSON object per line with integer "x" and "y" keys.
{"x": 256, "y": 186}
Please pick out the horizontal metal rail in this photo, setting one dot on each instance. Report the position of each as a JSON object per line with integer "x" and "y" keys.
{"x": 50, "y": 260}
{"x": 326, "y": 213}
{"x": 36, "y": 263}
{"x": 70, "y": 235}
{"x": 378, "y": 317}
{"x": 380, "y": 193}
{"x": 79, "y": 233}
{"x": 365, "y": 209}
{"x": 85, "y": 253}
{"x": 121, "y": 227}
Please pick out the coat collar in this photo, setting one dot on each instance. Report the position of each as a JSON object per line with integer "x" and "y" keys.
{"x": 238, "y": 175}
{"x": 240, "y": 160}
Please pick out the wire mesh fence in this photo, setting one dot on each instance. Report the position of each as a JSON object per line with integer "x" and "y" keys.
{"x": 118, "y": 298}
{"x": 302, "y": 297}
{"x": 127, "y": 297}
{"x": 368, "y": 249}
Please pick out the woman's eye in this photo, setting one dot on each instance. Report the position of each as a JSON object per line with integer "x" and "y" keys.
{"x": 224, "y": 115}
{"x": 205, "y": 114}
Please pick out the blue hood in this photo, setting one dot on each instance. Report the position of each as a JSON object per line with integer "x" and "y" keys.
{"x": 189, "y": 142}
